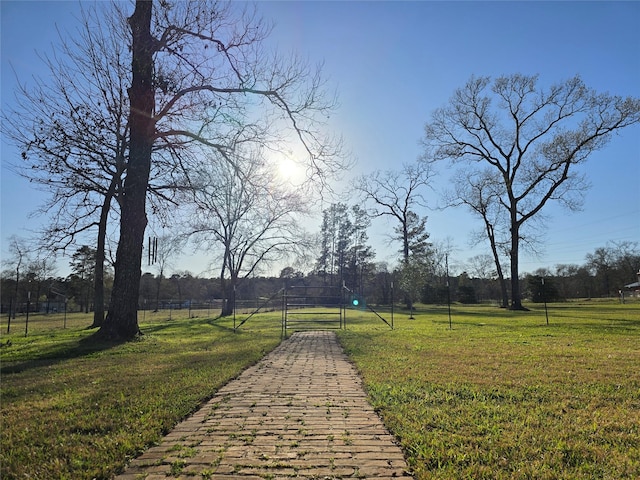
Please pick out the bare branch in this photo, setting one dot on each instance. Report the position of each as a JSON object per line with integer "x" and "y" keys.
{"x": 531, "y": 140}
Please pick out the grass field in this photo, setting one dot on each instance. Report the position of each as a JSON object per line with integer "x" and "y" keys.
{"x": 73, "y": 409}
{"x": 500, "y": 395}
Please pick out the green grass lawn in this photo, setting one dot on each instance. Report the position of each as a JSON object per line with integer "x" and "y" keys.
{"x": 74, "y": 409}
{"x": 500, "y": 395}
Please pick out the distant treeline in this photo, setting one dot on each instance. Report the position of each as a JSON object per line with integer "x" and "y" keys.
{"x": 598, "y": 279}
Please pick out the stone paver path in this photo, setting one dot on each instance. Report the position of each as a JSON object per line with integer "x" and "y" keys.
{"x": 301, "y": 412}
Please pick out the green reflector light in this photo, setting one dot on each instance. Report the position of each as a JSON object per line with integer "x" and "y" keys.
{"x": 355, "y": 302}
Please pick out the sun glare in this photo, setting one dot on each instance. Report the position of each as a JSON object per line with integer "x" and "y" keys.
{"x": 289, "y": 170}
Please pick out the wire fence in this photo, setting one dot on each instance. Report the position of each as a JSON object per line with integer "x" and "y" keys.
{"x": 31, "y": 318}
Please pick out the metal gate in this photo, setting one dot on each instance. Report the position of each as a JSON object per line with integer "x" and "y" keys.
{"x": 312, "y": 308}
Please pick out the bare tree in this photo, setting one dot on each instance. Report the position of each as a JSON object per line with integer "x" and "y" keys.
{"x": 18, "y": 252}
{"x": 573, "y": 280}
{"x": 478, "y": 191}
{"x": 614, "y": 265}
{"x": 161, "y": 250}
{"x": 531, "y": 138}
{"x": 41, "y": 271}
{"x": 72, "y": 128}
{"x": 397, "y": 194}
{"x": 482, "y": 266}
{"x": 200, "y": 75}
{"x": 627, "y": 255}
{"x": 244, "y": 213}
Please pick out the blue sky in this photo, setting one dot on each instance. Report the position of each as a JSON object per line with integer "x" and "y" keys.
{"x": 392, "y": 64}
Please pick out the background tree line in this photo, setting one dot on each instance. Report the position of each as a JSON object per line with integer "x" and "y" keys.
{"x": 603, "y": 274}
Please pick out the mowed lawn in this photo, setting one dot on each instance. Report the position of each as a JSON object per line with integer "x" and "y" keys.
{"x": 502, "y": 395}
{"x": 73, "y": 409}
{"x": 499, "y": 395}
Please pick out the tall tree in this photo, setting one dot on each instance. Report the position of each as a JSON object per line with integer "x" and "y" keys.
{"x": 327, "y": 263}
{"x": 246, "y": 214}
{"x": 359, "y": 267}
{"x": 335, "y": 237}
{"x": 396, "y": 194}
{"x": 478, "y": 192}
{"x": 415, "y": 267}
{"x": 199, "y": 74}
{"x": 72, "y": 129}
{"x": 531, "y": 138}
{"x": 83, "y": 268}
{"x": 345, "y": 256}
{"x": 122, "y": 319}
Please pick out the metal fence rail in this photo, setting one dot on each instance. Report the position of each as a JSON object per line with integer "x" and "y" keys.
{"x": 312, "y": 308}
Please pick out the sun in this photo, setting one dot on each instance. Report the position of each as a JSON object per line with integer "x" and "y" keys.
{"x": 289, "y": 170}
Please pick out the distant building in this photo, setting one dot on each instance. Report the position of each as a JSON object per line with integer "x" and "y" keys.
{"x": 634, "y": 288}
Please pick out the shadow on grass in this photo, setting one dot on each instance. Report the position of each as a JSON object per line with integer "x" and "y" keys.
{"x": 607, "y": 320}
{"x": 55, "y": 353}
{"x": 182, "y": 324}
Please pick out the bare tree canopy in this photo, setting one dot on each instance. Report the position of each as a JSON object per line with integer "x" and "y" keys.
{"x": 397, "y": 194}
{"x": 531, "y": 138}
{"x": 246, "y": 214}
{"x": 71, "y": 126}
{"x": 200, "y": 75}
{"x": 72, "y": 129}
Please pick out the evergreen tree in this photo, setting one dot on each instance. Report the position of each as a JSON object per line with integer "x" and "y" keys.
{"x": 344, "y": 253}
{"x": 83, "y": 267}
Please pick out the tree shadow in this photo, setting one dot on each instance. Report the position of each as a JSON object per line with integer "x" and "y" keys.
{"x": 168, "y": 325}
{"x": 58, "y": 352}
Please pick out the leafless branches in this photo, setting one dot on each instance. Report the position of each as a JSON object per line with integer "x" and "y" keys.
{"x": 524, "y": 142}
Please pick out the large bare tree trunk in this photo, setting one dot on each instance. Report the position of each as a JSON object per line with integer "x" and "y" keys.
{"x": 496, "y": 259}
{"x": 228, "y": 300}
{"x": 98, "y": 287}
{"x": 516, "y": 296}
{"x": 122, "y": 320}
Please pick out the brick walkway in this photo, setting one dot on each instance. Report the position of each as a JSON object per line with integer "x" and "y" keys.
{"x": 299, "y": 413}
